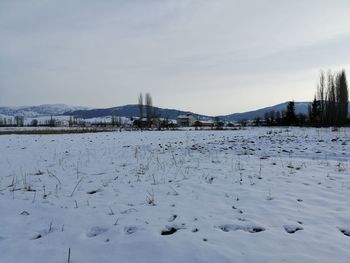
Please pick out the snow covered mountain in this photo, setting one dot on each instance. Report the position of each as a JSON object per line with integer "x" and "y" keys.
{"x": 38, "y": 111}
{"x": 133, "y": 111}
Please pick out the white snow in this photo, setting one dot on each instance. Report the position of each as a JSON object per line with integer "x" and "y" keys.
{"x": 253, "y": 195}
{"x": 39, "y": 111}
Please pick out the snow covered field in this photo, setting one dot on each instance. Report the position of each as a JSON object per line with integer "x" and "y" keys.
{"x": 254, "y": 195}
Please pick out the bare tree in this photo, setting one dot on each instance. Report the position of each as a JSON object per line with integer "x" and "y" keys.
{"x": 320, "y": 96}
{"x": 342, "y": 97}
{"x": 140, "y": 104}
{"x": 149, "y": 108}
{"x": 332, "y": 99}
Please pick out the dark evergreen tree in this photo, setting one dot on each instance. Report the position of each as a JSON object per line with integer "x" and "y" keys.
{"x": 290, "y": 114}
{"x": 278, "y": 118}
{"x": 301, "y": 118}
{"x": 315, "y": 112}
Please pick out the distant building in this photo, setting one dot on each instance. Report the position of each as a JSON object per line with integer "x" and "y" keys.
{"x": 142, "y": 123}
{"x": 185, "y": 120}
{"x": 204, "y": 123}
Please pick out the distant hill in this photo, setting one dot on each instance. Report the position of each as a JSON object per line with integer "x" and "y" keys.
{"x": 39, "y": 111}
{"x": 131, "y": 111}
{"x": 300, "y": 107}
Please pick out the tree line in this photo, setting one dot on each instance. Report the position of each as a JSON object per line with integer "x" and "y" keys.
{"x": 328, "y": 108}
{"x": 330, "y": 104}
{"x": 286, "y": 117}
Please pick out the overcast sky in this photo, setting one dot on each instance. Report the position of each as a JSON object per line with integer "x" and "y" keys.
{"x": 211, "y": 57}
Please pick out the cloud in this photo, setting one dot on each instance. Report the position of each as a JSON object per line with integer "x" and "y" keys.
{"x": 68, "y": 51}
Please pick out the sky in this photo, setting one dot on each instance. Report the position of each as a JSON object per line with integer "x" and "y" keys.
{"x": 208, "y": 56}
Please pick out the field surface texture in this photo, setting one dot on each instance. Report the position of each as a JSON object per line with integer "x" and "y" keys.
{"x": 252, "y": 195}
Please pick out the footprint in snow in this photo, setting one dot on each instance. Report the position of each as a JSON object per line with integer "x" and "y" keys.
{"x": 24, "y": 213}
{"x": 172, "y": 218}
{"x": 43, "y": 233}
{"x": 130, "y": 229}
{"x": 36, "y": 236}
{"x": 346, "y": 232}
{"x": 95, "y": 231}
{"x": 93, "y": 191}
{"x": 291, "y": 229}
{"x": 169, "y": 230}
{"x": 251, "y": 228}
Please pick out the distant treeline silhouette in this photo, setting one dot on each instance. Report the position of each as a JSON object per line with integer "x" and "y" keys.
{"x": 330, "y": 104}
{"x": 328, "y": 108}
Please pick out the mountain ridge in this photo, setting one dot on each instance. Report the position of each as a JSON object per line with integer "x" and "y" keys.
{"x": 39, "y": 110}
{"x": 300, "y": 107}
{"x": 132, "y": 110}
